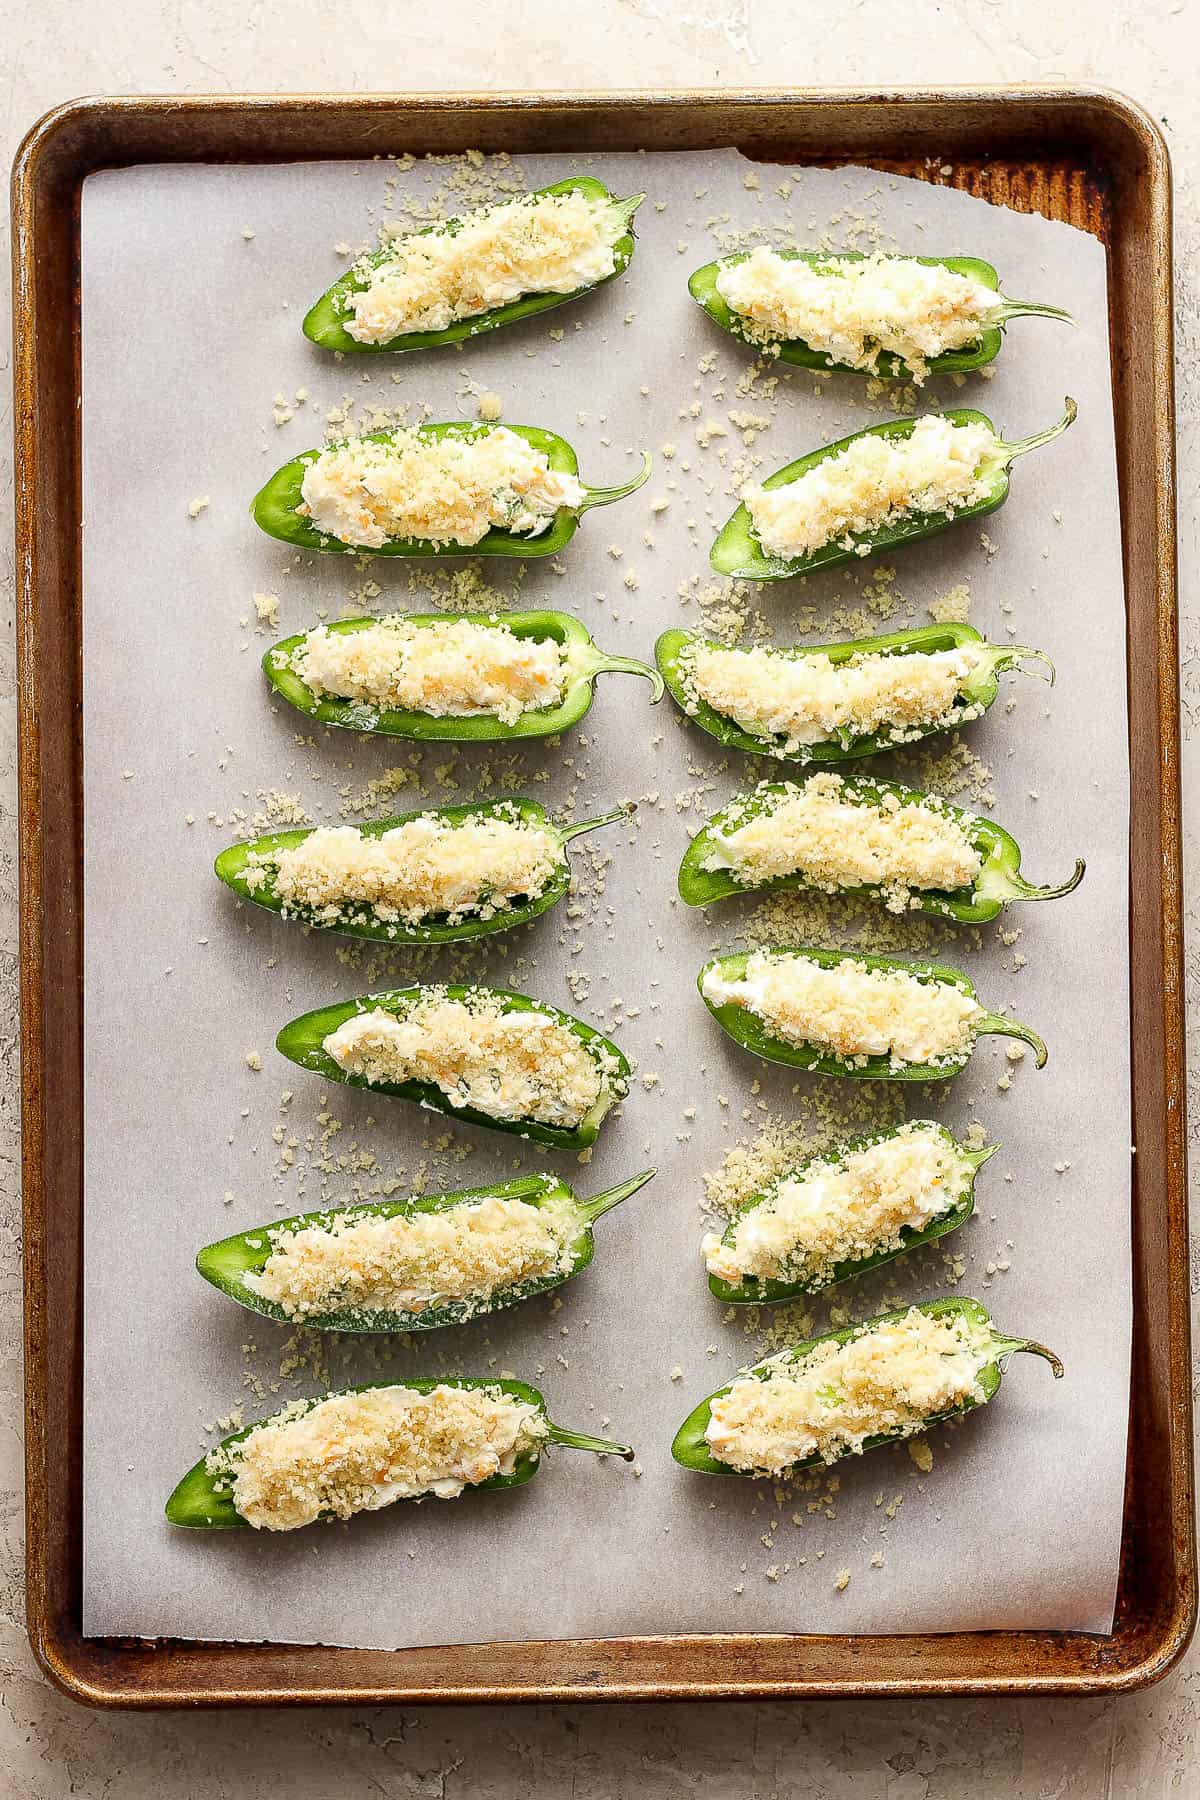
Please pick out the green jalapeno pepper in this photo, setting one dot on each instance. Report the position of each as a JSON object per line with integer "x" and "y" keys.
{"x": 274, "y": 506}
{"x": 753, "y": 1034}
{"x": 703, "y": 288}
{"x": 253, "y": 879}
{"x": 203, "y": 1500}
{"x": 690, "y": 1447}
{"x": 998, "y": 883}
{"x": 585, "y": 662}
{"x": 976, "y": 693}
{"x": 754, "y": 1290}
{"x": 323, "y": 321}
{"x": 227, "y": 1262}
{"x": 302, "y": 1041}
{"x": 737, "y": 551}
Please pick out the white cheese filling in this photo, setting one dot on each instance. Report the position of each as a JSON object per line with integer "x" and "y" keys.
{"x": 538, "y": 244}
{"x": 854, "y": 312}
{"x": 357, "y": 1452}
{"x": 834, "y": 843}
{"x": 427, "y": 867}
{"x": 811, "y": 699}
{"x": 851, "y": 1010}
{"x": 889, "y": 1379}
{"x": 874, "y": 482}
{"x": 441, "y": 490}
{"x": 451, "y": 669}
{"x": 356, "y": 1262}
{"x": 512, "y": 1066}
{"x": 843, "y": 1209}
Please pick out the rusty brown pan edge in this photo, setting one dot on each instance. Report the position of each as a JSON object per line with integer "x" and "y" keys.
{"x": 65, "y": 1656}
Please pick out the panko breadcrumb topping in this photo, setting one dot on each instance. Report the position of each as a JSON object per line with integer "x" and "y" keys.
{"x": 428, "y": 867}
{"x": 442, "y": 490}
{"x": 809, "y": 699}
{"x": 851, "y": 1010}
{"x": 889, "y": 1379}
{"x": 872, "y": 483}
{"x": 842, "y": 1208}
{"x": 410, "y": 1262}
{"x": 357, "y": 1452}
{"x": 453, "y": 668}
{"x": 509, "y": 1065}
{"x": 855, "y": 311}
{"x": 817, "y": 829}
{"x": 536, "y": 244}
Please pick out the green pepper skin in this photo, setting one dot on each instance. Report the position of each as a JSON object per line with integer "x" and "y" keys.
{"x": 753, "y": 1291}
{"x": 979, "y": 690}
{"x": 703, "y": 288}
{"x": 226, "y": 1263}
{"x": 233, "y": 865}
{"x": 738, "y": 553}
{"x": 420, "y": 727}
{"x": 746, "y": 1029}
{"x": 998, "y": 884}
{"x": 302, "y": 1042}
{"x": 199, "y": 1503}
{"x": 691, "y": 1450}
{"x": 323, "y": 321}
{"x": 274, "y": 506}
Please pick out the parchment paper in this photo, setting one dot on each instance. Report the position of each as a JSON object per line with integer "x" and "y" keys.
{"x": 194, "y": 283}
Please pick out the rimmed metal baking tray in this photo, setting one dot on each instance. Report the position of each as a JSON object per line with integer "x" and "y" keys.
{"x": 1086, "y": 156}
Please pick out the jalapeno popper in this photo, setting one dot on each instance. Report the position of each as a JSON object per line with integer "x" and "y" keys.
{"x": 849, "y": 1391}
{"x": 826, "y": 703}
{"x": 883, "y": 487}
{"x": 435, "y": 490}
{"x": 415, "y": 1264}
{"x": 844, "y": 1212}
{"x": 429, "y": 877}
{"x": 357, "y": 1451}
{"x": 837, "y": 1012}
{"x": 479, "y": 270}
{"x": 477, "y": 678}
{"x": 843, "y": 834}
{"x": 910, "y": 316}
{"x": 483, "y": 1054}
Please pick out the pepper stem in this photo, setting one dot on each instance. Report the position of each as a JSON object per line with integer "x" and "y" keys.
{"x": 1004, "y": 1347}
{"x": 579, "y": 1440}
{"x": 999, "y": 1026}
{"x": 600, "y": 663}
{"x": 627, "y": 208}
{"x": 1016, "y": 656}
{"x": 1024, "y": 445}
{"x": 1016, "y": 309}
{"x": 625, "y": 811}
{"x": 613, "y": 1196}
{"x": 1020, "y": 889}
{"x": 977, "y": 1158}
{"x": 598, "y": 496}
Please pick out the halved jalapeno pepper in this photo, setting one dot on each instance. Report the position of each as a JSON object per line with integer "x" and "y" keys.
{"x": 707, "y": 874}
{"x": 584, "y": 661}
{"x": 324, "y": 321}
{"x": 203, "y": 1499}
{"x": 227, "y": 1263}
{"x": 703, "y": 288}
{"x": 248, "y": 869}
{"x": 752, "y": 1032}
{"x": 976, "y": 692}
{"x": 276, "y": 506}
{"x": 691, "y": 1448}
{"x": 737, "y": 551}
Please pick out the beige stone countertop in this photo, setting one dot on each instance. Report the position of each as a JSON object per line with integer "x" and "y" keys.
{"x": 1145, "y": 1745}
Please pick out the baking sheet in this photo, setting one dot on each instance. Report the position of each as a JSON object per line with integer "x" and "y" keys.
{"x": 184, "y": 380}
